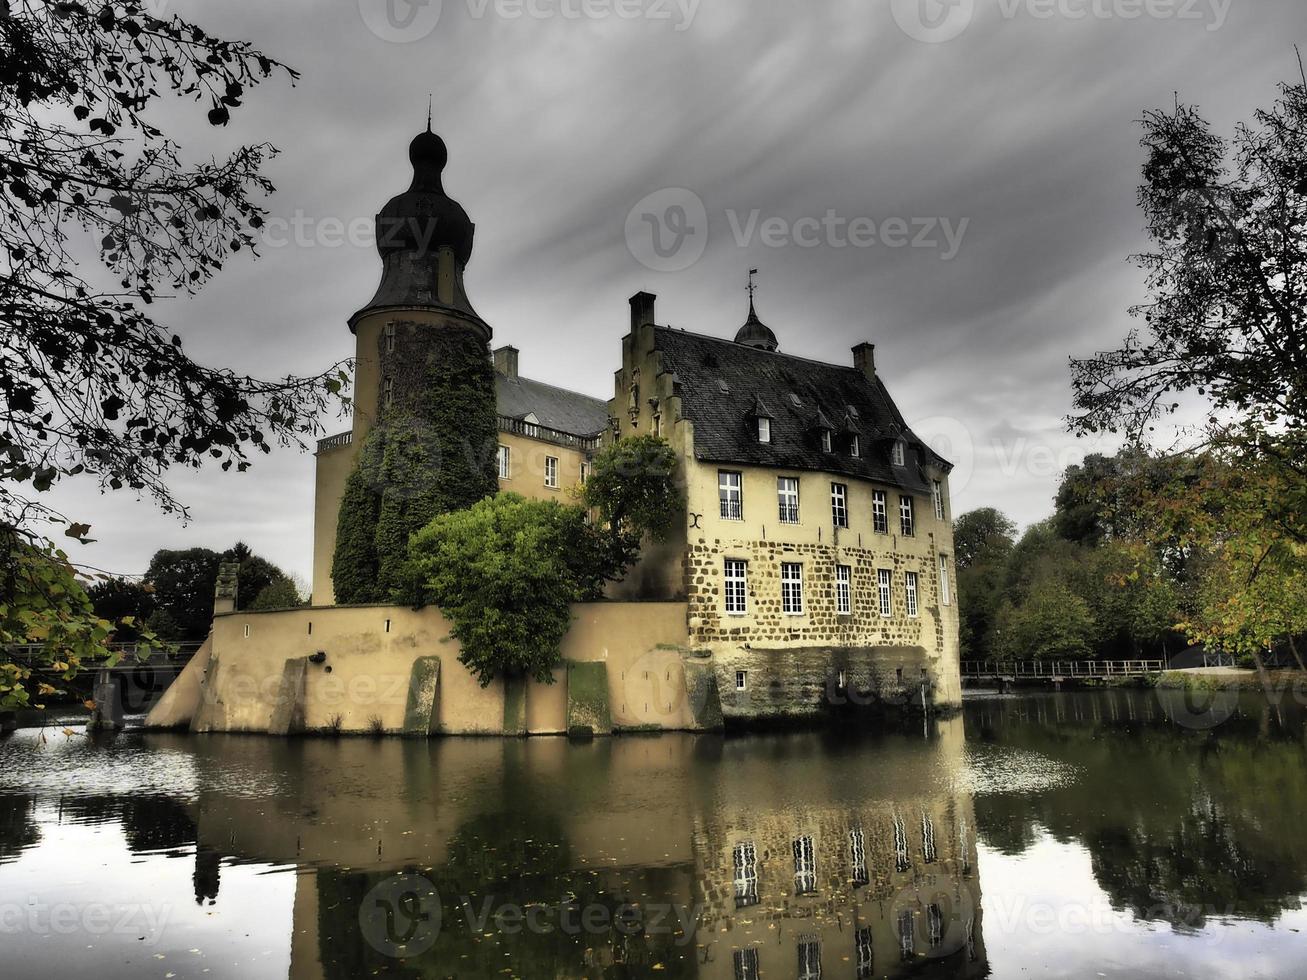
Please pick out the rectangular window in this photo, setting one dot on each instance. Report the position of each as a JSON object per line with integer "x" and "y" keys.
{"x": 934, "y": 925}
{"x": 865, "y": 965}
{"x": 741, "y": 680}
{"x": 390, "y": 338}
{"x": 732, "y": 495}
{"x": 858, "y": 857}
{"x": 825, "y": 440}
{"x": 745, "y": 861}
{"x": 879, "y": 512}
{"x": 907, "y": 939}
{"x": 736, "y": 586}
{"x": 839, "y": 504}
{"x": 844, "y": 590}
{"x": 906, "y": 522}
{"x": 885, "y": 588}
{"x": 387, "y": 393}
{"x": 938, "y": 489}
{"x": 809, "y": 959}
{"x": 585, "y": 471}
{"x": 787, "y": 493}
{"x": 910, "y": 586}
{"x": 805, "y": 866}
{"x": 764, "y": 430}
{"x": 898, "y": 455}
{"x": 944, "y": 596}
{"x": 791, "y": 588}
{"x": 551, "y": 471}
{"x": 746, "y": 964}
{"x": 505, "y": 469}
{"x": 855, "y": 447}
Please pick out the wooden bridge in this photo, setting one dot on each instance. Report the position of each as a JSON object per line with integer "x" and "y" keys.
{"x": 1007, "y": 673}
{"x": 130, "y": 656}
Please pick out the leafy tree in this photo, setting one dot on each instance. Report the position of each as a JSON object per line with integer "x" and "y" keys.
{"x": 91, "y": 383}
{"x": 1225, "y": 323}
{"x": 981, "y": 535}
{"x": 118, "y": 599}
{"x": 982, "y": 544}
{"x": 505, "y": 571}
{"x": 184, "y": 582}
{"x": 282, "y": 593}
{"x": 1054, "y": 623}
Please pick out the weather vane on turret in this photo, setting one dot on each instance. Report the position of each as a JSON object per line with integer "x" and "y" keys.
{"x": 429, "y": 94}
{"x": 752, "y": 285}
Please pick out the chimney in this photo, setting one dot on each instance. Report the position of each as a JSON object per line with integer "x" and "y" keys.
{"x": 506, "y": 362}
{"x": 864, "y": 359}
{"x": 642, "y": 310}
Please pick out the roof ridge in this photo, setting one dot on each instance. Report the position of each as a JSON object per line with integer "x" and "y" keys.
{"x": 770, "y": 353}
{"x": 567, "y": 391}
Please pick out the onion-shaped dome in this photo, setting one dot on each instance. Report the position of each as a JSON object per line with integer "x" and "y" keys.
{"x": 755, "y": 333}
{"x": 424, "y": 218}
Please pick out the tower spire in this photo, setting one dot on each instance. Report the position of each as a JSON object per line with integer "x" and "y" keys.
{"x": 752, "y": 288}
{"x": 429, "y": 94}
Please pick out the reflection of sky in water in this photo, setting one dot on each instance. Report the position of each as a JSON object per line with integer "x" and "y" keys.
{"x": 991, "y": 769}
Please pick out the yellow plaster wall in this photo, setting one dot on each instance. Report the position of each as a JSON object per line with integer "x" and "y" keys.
{"x": 527, "y": 468}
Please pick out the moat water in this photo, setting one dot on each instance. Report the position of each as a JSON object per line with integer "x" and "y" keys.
{"x": 1111, "y": 834}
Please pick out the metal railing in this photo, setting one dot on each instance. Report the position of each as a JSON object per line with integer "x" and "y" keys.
{"x": 1061, "y": 668}
{"x": 533, "y": 430}
{"x": 335, "y": 442}
{"x": 35, "y": 655}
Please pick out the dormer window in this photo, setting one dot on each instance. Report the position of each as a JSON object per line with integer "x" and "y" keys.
{"x": 855, "y": 448}
{"x": 762, "y": 417}
{"x": 898, "y": 455}
{"x": 764, "y": 430}
{"x": 825, "y": 440}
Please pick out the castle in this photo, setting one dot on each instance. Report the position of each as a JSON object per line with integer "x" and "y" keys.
{"x": 813, "y": 570}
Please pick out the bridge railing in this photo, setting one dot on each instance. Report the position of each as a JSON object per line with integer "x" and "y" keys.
{"x": 34, "y": 654}
{"x": 1061, "y": 668}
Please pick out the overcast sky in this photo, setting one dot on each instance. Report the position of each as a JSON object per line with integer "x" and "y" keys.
{"x": 1002, "y": 135}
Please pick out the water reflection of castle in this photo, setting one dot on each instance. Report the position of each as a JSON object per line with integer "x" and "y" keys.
{"x": 792, "y": 857}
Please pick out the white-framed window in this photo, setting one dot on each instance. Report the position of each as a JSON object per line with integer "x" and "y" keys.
{"x": 390, "y": 337}
{"x": 805, "y": 866}
{"x": 929, "y": 853}
{"x": 864, "y": 962}
{"x": 844, "y": 590}
{"x": 809, "y": 958}
{"x": 551, "y": 472}
{"x": 901, "y": 859}
{"x": 825, "y": 440}
{"x": 885, "y": 590}
{"x": 746, "y": 963}
{"x": 505, "y": 463}
{"x": 858, "y": 857}
{"x": 937, "y": 489}
{"x": 855, "y": 446}
{"x": 907, "y": 520}
{"x": 736, "y": 586}
{"x": 898, "y": 455}
{"x": 910, "y": 590}
{"x": 745, "y": 862}
{"x": 585, "y": 471}
{"x": 839, "y": 504}
{"x": 787, "y": 495}
{"x": 791, "y": 588}
{"x": 741, "y": 680}
{"x": 764, "y": 430}
{"x": 730, "y": 489}
{"x": 879, "y": 512}
{"x": 945, "y": 596}
{"x": 387, "y": 392}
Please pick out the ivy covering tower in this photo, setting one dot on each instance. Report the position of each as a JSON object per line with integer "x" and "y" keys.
{"x": 424, "y": 418}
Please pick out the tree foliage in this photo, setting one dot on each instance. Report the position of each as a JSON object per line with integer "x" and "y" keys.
{"x": 90, "y": 382}
{"x": 506, "y": 570}
{"x": 1225, "y": 326}
{"x": 183, "y": 584}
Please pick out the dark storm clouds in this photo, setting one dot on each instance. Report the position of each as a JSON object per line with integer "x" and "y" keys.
{"x": 560, "y": 116}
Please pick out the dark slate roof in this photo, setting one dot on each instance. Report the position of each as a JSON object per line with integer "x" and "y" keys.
{"x": 554, "y": 408}
{"x": 720, "y": 382}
